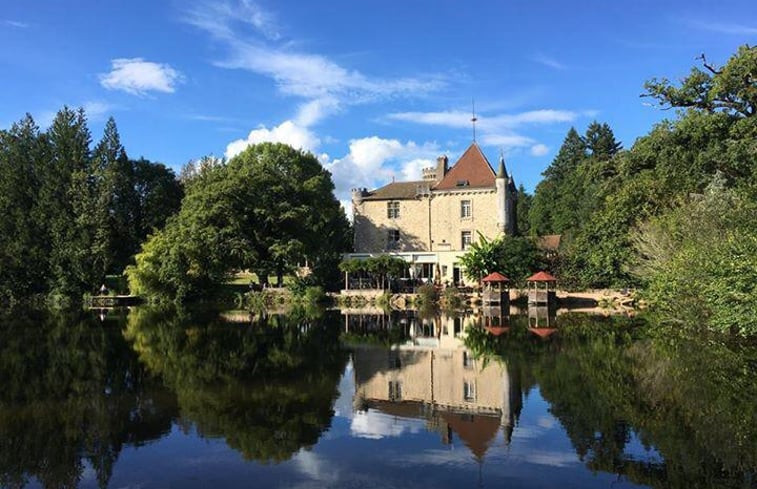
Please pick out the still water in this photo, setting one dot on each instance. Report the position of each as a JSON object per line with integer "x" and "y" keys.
{"x": 155, "y": 398}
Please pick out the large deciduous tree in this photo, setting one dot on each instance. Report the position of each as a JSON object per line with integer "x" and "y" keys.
{"x": 731, "y": 88}
{"x": 268, "y": 209}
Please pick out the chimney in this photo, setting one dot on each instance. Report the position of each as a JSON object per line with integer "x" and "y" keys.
{"x": 441, "y": 167}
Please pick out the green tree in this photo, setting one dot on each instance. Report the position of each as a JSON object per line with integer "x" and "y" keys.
{"x": 730, "y": 88}
{"x": 268, "y": 209}
{"x": 159, "y": 195}
{"x": 69, "y": 197}
{"x": 117, "y": 202}
{"x": 514, "y": 256}
{"x": 23, "y": 244}
{"x": 700, "y": 261}
{"x": 522, "y": 210}
{"x": 600, "y": 141}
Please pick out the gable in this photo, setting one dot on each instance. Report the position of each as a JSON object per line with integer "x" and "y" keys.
{"x": 472, "y": 168}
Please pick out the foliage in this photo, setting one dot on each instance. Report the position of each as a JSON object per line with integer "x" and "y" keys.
{"x": 383, "y": 269}
{"x": 481, "y": 258}
{"x": 451, "y": 299}
{"x": 514, "y": 256}
{"x": 69, "y": 214}
{"x": 598, "y": 196}
{"x": 730, "y": 89}
{"x": 267, "y": 209}
{"x": 522, "y": 210}
{"x": 700, "y": 261}
{"x": 427, "y": 296}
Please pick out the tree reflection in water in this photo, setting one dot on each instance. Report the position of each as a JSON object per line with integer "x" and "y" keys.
{"x": 266, "y": 387}
{"x": 76, "y": 391}
{"x": 693, "y": 399}
{"x": 72, "y": 390}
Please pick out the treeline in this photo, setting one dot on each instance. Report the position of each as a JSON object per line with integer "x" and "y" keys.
{"x": 70, "y": 213}
{"x": 676, "y": 212}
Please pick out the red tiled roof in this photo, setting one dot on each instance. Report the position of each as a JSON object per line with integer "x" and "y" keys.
{"x": 472, "y": 167}
{"x": 495, "y": 277}
{"x": 541, "y": 277}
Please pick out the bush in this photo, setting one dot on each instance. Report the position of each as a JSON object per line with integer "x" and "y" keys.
{"x": 699, "y": 262}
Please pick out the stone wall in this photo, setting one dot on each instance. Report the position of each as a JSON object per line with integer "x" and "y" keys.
{"x": 372, "y": 225}
{"x": 447, "y": 225}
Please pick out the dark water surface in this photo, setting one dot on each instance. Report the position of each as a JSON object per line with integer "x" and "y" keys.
{"x": 158, "y": 398}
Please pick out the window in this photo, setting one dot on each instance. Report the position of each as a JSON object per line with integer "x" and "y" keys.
{"x": 395, "y": 390}
{"x": 393, "y": 239}
{"x": 465, "y": 209}
{"x": 392, "y": 210}
{"x": 469, "y": 391}
{"x": 467, "y": 360}
{"x": 467, "y": 239}
{"x": 462, "y": 183}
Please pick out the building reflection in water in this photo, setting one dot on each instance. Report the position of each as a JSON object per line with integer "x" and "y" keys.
{"x": 431, "y": 375}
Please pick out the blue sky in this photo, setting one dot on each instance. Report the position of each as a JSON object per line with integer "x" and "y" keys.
{"x": 376, "y": 89}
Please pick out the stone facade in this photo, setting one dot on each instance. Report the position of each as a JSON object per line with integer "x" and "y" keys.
{"x": 431, "y": 220}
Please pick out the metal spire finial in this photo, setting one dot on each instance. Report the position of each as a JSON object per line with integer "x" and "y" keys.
{"x": 474, "y": 118}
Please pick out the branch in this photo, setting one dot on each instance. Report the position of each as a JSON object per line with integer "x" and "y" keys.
{"x": 709, "y": 67}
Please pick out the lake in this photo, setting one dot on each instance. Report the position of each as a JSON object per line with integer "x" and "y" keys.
{"x": 157, "y": 398}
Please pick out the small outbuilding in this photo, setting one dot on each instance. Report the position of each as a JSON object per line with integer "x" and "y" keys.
{"x": 542, "y": 288}
{"x": 496, "y": 290}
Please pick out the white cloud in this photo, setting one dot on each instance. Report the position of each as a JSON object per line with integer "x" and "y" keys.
{"x": 550, "y": 458}
{"x": 495, "y": 129}
{"x": 376, "y": 425}
{"x": 96, "y": 109}
{"x": 15, "y": 23}
{"x": 288, "y": 132}
{"x": 412, "y": 169}
{"x": 539, "y": 149}
{"x": 724, "y": 28}
{"x": 315, "y": 467}
{"x": 549, "y": 62}
{"x": 137, "y": 76}
{"x": 296, "y": 73}
{"x": 313, "y": 111}
{"x": 506, "y": 140}
{"x": 374, "y": 161}
{"x": 460, "y": 119}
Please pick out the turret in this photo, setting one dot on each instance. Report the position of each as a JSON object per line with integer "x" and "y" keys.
{"x": 436, "y": 173}
{"x": 357, "y": 196}
{"x": 502, "y": 191}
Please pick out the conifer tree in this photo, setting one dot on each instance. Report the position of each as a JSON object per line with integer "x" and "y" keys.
{"x": 69, "y": 199}
{"x": 601, "y": 142}
{"x": 117, "y": 203}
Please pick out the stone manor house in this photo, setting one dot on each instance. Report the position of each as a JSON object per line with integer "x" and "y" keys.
{"x": 431, "y": 222}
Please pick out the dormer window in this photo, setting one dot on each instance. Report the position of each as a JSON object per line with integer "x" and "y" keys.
{"x": 462, "y": 183}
